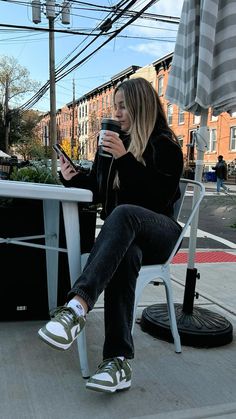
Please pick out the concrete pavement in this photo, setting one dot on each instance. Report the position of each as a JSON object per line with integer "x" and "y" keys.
{"x": 38, "y": 382}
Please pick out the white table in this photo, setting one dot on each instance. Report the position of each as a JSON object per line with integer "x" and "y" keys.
{"x": 52, "y": 195}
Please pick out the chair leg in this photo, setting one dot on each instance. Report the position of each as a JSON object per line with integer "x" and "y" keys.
{"x": 83, "y": 355}
{"x": 142, "y": 281}
{"x": 134, "y": 314}
{"x": 81, "y": 340}
{"x": 172, "y": 317}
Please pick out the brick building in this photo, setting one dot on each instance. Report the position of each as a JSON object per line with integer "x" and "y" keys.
{"x": 80, "y": 121}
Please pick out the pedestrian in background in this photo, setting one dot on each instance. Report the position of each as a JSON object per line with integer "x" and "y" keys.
{"x": 137, "y": 186}
{"x": 221, "y": 174}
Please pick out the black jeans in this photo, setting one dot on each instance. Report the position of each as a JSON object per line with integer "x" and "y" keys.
{"x": 130, "y": 236}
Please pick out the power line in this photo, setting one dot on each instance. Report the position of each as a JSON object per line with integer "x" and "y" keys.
{"x": 62, "y": 72}
{"x": 115, "y": 9}
{"x": 41, "y": 29}
{"x": 112, "y": 9}
{"x": 150, "y": 38}
{"x": 153, "y": 38}
{"x": 98, "y": 27}
{"x": 63, "y": 31}
{"x": 115, "y": 33}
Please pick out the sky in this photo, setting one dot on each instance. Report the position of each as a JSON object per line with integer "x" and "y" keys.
{"x": 139, "y": 44}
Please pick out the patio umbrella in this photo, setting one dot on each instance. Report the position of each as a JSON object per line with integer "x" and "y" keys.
{"x": 203, "y": 73}
{"x": 203, "y": 76}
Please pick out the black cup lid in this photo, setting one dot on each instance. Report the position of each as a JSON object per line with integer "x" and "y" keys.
{"x": 111, "y": 121}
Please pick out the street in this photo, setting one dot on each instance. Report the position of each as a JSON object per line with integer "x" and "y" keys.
{"x": 217, "y": 216}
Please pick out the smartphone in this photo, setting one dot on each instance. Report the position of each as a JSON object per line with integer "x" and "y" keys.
{"x": 59, "y": 150}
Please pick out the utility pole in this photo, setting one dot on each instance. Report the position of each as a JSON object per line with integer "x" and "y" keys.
{"x": 51, "y": 14}
{"x": 53, "y": 123}
{"x": 6, "y": 115}
{"x": 73, "y": 121}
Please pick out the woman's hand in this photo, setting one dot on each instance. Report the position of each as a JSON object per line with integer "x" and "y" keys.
{"x": 68, "y": 172}
{"x": 113, "y": 144}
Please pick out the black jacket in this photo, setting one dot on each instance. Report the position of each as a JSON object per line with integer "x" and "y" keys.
{"x": 221, "y": 169}
{"x": 153, "y": 186}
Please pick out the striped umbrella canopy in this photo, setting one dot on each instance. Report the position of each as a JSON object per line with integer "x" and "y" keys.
{"x": 203, "y": 71}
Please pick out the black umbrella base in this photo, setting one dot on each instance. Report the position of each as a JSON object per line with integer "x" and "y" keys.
{"x": 202, "y": 328}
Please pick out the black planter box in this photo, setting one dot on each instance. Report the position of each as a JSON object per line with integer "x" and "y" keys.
{"x": 23, "y": 269}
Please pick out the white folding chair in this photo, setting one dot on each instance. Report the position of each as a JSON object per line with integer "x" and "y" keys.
{"x": 150, "y": 273}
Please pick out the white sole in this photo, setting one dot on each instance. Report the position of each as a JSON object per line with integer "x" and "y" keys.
{"x": 124, "y": 385}
{"x": 52, "y": 342}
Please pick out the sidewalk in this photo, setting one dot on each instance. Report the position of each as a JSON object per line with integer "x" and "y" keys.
{"x": 38, "y": 382}
{"x": 211, "y": 187}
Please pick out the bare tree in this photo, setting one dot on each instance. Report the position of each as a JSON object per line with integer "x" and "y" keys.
{"x": 15, "y": 83}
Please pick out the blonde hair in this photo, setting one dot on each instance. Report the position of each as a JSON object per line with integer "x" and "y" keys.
{"x": 145, "y": 112}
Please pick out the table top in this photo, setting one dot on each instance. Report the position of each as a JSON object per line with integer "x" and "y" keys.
{"x": 29, "y": 190}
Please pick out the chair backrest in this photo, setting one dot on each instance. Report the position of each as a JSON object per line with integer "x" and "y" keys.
{"x": 178, "y": 204}
{"x": 197, "y": 191}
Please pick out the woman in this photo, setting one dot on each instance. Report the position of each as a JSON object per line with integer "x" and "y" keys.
{"x": 137, "y": 188}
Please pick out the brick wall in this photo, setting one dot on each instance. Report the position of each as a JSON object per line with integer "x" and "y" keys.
{"x": 99, "y": 104}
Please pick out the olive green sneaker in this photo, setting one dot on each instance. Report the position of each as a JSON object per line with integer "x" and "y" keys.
{"x": 63, "y": 328}
{"x": 112, "y": 375}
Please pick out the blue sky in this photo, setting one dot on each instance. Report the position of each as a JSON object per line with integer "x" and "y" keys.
{"x": 30, "y": 48}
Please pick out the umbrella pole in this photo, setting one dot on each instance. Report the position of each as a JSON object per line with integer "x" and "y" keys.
{"x": 198, "y": 327}
{"x": 201, "y": 140}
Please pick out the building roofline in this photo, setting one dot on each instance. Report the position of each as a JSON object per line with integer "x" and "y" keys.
{"x": 117, "y": 77}
{"x": 109, "y": 83}
{"x": 163, "y": 59}
{"x": 129, "y": 70}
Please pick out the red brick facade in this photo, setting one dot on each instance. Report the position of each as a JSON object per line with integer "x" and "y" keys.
{"x": 96, "y": 104}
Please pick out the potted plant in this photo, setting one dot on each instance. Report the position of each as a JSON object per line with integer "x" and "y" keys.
{"x": 26, "y": 282}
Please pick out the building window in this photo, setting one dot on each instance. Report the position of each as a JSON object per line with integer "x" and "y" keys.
{"x": 212, "y": 144}
{"x": 196, "y": 119}
{"x": 181, "y": 140}
{"x": 232, "y": 139}
{"x": 170, "y": 114}
{"x": 181, "y": 116}
{"x": 160, "y": 85}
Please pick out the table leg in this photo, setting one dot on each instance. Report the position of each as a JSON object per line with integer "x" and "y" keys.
{"x": 72, "y": 232}
{"x": 51, "y": 227}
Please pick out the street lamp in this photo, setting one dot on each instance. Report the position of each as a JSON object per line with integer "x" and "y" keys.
{"x": 51, "y": 14}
